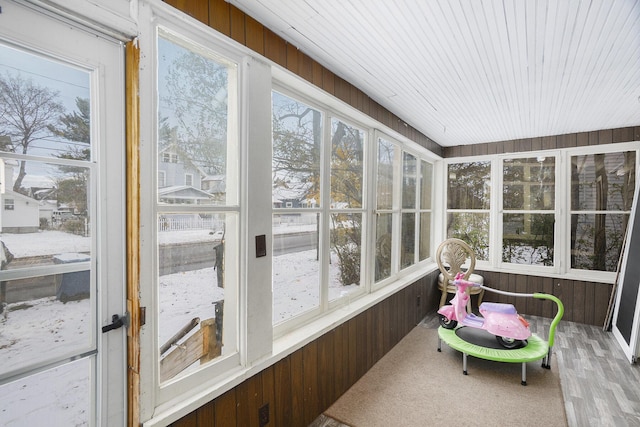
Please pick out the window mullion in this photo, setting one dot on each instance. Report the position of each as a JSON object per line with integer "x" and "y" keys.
{"x": 396, "y": 222}
{"x": 562, "y": 212}
{"x": 325, "y": 230}
{"x": 496, "y": 212}
{"x": 418, "y": 211}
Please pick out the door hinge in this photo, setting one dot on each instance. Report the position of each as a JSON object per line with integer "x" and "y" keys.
{"x": 143, "y": 316}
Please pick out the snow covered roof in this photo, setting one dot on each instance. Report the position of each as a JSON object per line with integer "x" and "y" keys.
{"x": 183, "y": 192}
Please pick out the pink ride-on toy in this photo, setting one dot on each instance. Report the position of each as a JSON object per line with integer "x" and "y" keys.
{"x": 501, "y": 320}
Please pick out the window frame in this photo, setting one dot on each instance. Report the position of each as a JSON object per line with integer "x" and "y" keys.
{"x": 604, "y": 276}
{"x": 401, "y": 146}
{"x": 499, "y": 229}
{"x": 9, "y": 204}
{"x": 161, "y": 396}
{"x": 425, "y": 210}
{"x": 393, "y": 210}
{"x": 562, "y": 266}
{"x": 409, "y": 210}
{"x": 491, "y": 256}
{"x": 362, "y": 210}
{"x": 305, "y": 316}
{"x": 325, "y": 209}
{"x": 418, "y": 210}
{"x": 293, "y": 87}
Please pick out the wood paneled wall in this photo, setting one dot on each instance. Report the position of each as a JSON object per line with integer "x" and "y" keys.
{"x": 302, "y": 385}
{"x": 584, "y": 302}
{"x": 608, "y": 136}
{"x": 232, "y": 22}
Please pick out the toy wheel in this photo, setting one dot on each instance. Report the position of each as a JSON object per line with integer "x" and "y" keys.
{"x": 511, "y": 342}
{"x": 447, "y": 323}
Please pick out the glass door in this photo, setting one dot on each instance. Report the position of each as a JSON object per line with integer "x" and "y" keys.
{"x": 62, "y": 274}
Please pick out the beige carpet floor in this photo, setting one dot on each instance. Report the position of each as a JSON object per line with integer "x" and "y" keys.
{"x": 415, "y": 385}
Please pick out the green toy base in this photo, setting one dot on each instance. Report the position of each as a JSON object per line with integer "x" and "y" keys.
{"x": 536, "y": 349}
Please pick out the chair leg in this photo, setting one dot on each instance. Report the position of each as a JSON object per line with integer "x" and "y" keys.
{"x": 443, "y": 298}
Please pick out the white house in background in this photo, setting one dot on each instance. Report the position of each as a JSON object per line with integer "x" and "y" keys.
{"x": 180, "y": 179}
{"x": 18, "y": 213}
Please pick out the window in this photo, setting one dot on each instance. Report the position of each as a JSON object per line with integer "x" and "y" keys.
{"x": 297, "y": 147}
{"x": 347, "y": 209}
{"x": 426, "y": 190}
{"x": 319, "y": 212}
{"x": 408, "y": 215}
{"x": 553, "y": 218}
{"x": 197, "y": 233}
{"x": 468, "y": 204}
{"x": 162, "y": 179}
{"x": 528, "y": 210}
{"x": 9, "y": 204}
{"x": 169, "y": 157}
{"x": 387, "y": 152}
{"x": 602, "y": 188}
{"x": 403, "y": 209}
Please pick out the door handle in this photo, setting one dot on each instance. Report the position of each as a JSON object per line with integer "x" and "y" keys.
{"x": 117, "y": 321}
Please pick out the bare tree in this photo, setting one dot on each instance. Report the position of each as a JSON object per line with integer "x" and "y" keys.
{"x": 195, "y": 98}
{"x": 26, "y": 111}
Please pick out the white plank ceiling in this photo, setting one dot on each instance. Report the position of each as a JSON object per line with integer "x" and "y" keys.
{"x": 473, "y": 71}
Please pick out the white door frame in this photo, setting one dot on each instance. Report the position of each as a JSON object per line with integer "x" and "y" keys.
{"x": 631, "y": 348}
{"x": 42, "y": 31}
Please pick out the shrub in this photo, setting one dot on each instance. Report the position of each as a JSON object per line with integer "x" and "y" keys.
{"x": 75, "y": 226}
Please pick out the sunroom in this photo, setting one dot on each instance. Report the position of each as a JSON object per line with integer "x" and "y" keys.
{"x": 258, "y": 191}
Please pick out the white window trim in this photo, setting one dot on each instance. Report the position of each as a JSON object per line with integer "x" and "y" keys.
{"x": 534, "y": 269}
{"x": 363, "y": 287}
{"x": 293, "y": 86}
{"x": 402, "y": 145}
{"x": 603, "y": 276}
{"x": 562, "y": 263}
{"x": 480, "y": 264}
{"x": 175, "y": 397}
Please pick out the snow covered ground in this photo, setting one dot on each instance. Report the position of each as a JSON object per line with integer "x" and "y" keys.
{"x": 41, "y": 329}
{"x": 45, "y": 243}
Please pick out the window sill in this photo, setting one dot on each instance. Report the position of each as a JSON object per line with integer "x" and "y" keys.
{"x": 580, "y": 275}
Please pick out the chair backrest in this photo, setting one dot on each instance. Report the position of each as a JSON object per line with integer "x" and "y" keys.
{"x": 452, "y": 254}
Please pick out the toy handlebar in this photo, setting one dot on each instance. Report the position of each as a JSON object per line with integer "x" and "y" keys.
{"x": 556, "y": 319}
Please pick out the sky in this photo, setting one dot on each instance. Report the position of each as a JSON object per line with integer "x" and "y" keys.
{"x": 71, "y": 82}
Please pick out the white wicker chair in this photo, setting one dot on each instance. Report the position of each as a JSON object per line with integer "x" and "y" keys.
{"x": 451, "y": 257}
